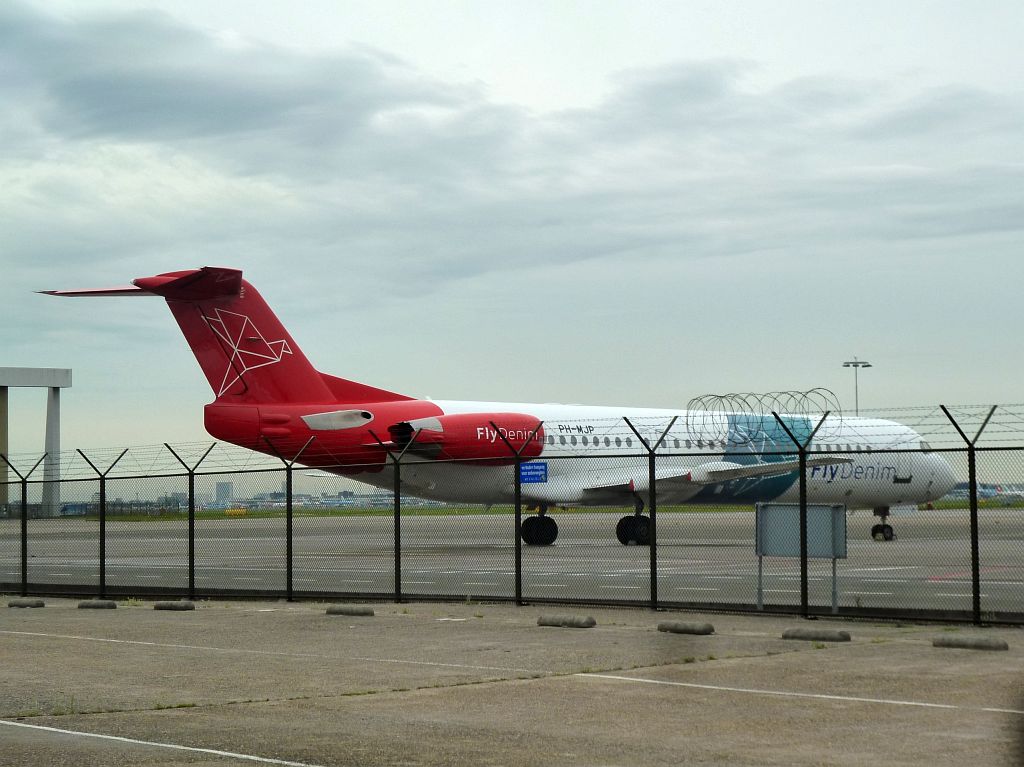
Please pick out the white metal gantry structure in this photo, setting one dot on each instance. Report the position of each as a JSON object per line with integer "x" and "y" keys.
{"x": 53, "y": 380}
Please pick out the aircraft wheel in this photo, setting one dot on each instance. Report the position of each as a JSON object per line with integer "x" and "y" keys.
{"x": 642, "y": 531}
{"x": 883, "y": 532}
{"x": 529, "y": 530}
{"x": 624, "y": 531}
{"x": 547, "y": 531}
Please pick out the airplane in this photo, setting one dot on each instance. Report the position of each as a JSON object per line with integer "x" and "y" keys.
{"x": 269, "y": 398}
{"x": 983, "y": 490}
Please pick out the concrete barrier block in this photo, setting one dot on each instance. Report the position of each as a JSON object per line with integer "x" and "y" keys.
{"x": 678, "y": 627}
{"x": 97, "y": 604}
{"x": 817, "y": 635}
{"x": 26, "y": 602}
{"x": 971, "y": 643}
{"x": 181, "y": 604}
{"x": 567, "y": 621}
{"x": 350, "y": 610}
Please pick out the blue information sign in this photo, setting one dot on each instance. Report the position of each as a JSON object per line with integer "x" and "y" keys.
{"x": 537, "y": 471}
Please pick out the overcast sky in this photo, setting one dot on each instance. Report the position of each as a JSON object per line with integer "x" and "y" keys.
{"x": 602, "y": 202}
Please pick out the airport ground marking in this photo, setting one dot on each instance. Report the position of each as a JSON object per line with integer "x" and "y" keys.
{"x": 157, "y": 744}
{"x": 809, "y": 695}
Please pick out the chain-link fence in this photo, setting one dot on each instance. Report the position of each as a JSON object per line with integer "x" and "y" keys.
{"x": 931, "y": 526}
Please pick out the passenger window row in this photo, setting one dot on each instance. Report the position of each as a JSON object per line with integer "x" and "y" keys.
{"x": 588, "y": 441}
{"x": 700, "y": 444}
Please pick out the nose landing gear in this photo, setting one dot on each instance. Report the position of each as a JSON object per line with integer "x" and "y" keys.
{"x": 882, "y": 531}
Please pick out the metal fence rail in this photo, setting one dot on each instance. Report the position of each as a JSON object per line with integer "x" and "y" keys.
{"x": 211, "y": 520}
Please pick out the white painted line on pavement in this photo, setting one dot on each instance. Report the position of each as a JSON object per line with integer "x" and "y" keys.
{"x": 882, "y": 569}
{"x": 175, "y": 746}
{"x": 442, "y": 665}
{"x": 811, "y": 695}
{"x": 263, "y": 652}
{"x": 696, "y": 588}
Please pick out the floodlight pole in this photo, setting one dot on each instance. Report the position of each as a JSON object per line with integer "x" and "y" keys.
{"x": 856, "y": 364}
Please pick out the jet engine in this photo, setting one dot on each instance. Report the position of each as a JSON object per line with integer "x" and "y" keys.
{"x": 489, "y": 437}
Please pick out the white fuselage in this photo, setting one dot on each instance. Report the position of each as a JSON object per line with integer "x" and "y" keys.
{"x": 878, "y": 463}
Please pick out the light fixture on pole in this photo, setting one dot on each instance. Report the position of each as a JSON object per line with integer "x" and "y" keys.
{"x": 856, "y": 364}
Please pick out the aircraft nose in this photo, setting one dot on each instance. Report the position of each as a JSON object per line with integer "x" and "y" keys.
{"x": 943, "y": 478}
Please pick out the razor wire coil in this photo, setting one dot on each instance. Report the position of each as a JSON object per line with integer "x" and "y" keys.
{"x": 754, "y": 412}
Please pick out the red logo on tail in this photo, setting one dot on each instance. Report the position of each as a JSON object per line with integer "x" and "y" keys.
{"x": 249, "y": 349}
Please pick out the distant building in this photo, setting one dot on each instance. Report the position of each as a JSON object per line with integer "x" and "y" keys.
{"x": 225, "y": 492}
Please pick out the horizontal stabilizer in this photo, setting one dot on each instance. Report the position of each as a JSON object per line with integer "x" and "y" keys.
{"x": 210, "y": 282}
{"x": 126, "y": 290}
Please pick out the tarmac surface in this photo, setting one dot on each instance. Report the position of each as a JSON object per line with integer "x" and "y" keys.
{"x": 703, "y": 557}
{"x": 234, "y": 683}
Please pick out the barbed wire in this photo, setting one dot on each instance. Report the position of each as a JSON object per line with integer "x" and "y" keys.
{"x": 707, "y": 417}
{"x": 753, "y": 413}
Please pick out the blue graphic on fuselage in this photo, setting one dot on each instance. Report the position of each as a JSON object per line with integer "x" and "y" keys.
{"x": 754, "y": 440}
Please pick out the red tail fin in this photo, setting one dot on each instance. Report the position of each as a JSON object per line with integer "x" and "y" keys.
{"x": 244, "y": 350}
{"x": 247, "y": 355}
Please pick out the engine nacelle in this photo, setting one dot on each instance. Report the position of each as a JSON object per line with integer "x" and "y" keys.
{"x": 471, "y": 436}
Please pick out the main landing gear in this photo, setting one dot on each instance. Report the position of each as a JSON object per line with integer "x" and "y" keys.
{"x": 882, "y": 531}
{"x": 635, "y": 528}
{"x": 540, "y": 530}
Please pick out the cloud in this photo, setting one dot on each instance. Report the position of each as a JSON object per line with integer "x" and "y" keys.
{"x": 365, "y": 192}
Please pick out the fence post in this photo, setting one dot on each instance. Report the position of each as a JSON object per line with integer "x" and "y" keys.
{"x": 517, "y": 495}
{"x": 802, "y": 456}
{"x": 103, "y": 516}
{"x": 288, "y": 466}
{"x": 972, "y": 480}
{"x": 652, "y": 502}
{"x": 396, "y": 493}
{"x": 24, "y": 537}
{"x": 191, "y": 515}
{"x": 23, "y": 480}
{"x": 517, "y": 529}
{"x": 289, "y": 544}
{"x": 396, "y": 460}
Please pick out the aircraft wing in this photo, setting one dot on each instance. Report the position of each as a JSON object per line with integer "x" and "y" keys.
{"x": 716, "y": 472}
{"x": 723, "y": 471}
